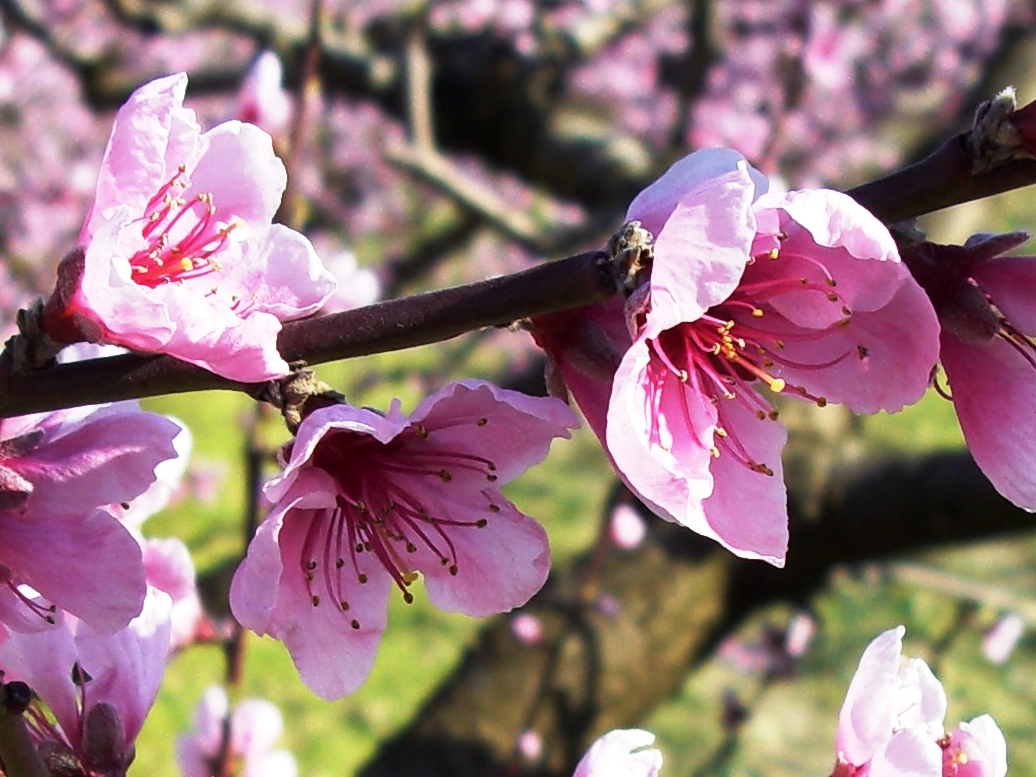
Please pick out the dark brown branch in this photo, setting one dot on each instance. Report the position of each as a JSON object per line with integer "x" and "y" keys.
{"x": 386, "y": 326}
{"x": 942, "y": 179}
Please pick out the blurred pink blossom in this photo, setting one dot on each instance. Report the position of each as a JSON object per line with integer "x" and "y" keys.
{"x": 255, "y": 726}
{"x": 366, "y": 501}
{"x": 626, "y": 528}
{"x": 180, "y": 256}
{"x": 987, "y": 307}
{"x": 891, "y": 723}
{"x": 98, "y": 687}
{"x": 799, "y": 634}
{"x": 357, "y": 286}
{"x": 169, "y": 568}
{"x": 530, "y": 745}
{"x": 527, "y": 628}
{"x": 262, "y": 101}
{"x": 1001, "y": 640}
{"x": 626, "y": 752}
{"x": 58, "y": 473}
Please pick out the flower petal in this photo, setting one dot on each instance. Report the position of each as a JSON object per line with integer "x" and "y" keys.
{"x": 866, "y": 718}
{"x": 626, "y": 752}
{"x": 509, "y": 428}
{"x": 1010, "y": 281}
{"x": 333, "y": 656}
{"x": 659, "y": 435}
{"x": 107, "y": 457}
{"x": 880, "y": 360}
{"x": 152, "y": 135}
{"x": 909, "y": 753}
{"x": 701, "y": 250}
{"x": 747, "y": 511}
{"x": 89, "y": 565}
{"x": 992, "y": 387}
{"x": 127, "y": 667}
{"x": 499, "y": 566}
{"x": 253, "y": 198}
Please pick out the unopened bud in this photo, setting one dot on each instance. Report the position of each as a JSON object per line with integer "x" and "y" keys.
{"x": 104, "y": 739}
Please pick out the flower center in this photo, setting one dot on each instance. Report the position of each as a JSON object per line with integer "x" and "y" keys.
{"x": 380, "y": 509}
{"x": 956, "y": 763}
{"x": 180, "y": 235}
{"x": 740, "y": 343}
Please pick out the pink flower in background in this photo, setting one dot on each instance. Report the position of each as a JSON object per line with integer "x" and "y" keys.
{"x": 179, "y": 253}
{"x": 1000, "y": 641}
{"x": 262, "y": 101}
{"x": 366, "y": 501}
{"x": 987, "y": 306}
{"x": 98, "y": 687}
{"x": 58, "y": 472}
{"x": 625, "y": 526}
{"x": 357, "y": 286}
{"x": 801, "y": 293}
{"x": 891, "y": 723}
{"x": 255, "y": 726}
{"x": 625, "y": 752}
{"x": 169, "y": 568}
{"x": 527, "y": 628}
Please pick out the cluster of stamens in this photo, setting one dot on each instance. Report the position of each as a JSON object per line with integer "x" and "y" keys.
{"x": 725, "y": 353}
{"x": 167, "y": 260}
{"x": 379, "y": 516}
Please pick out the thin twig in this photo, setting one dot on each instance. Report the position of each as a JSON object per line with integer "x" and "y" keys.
{"x": 443, "y": 174}
{"x": 973, "y": 590}
{"x": 419, "y": 87}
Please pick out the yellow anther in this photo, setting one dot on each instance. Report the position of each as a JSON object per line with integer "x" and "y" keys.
{"x": 773, "y": 253}
{"x": 758, "y": 313}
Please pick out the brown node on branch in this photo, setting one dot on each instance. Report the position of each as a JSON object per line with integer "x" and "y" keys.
{"x": 299, "y": 394}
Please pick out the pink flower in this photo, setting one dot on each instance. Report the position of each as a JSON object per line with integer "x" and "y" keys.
{"x": 366, "y": 501}
{"x": 527, "y": 628}
{"x": 891, "y": 723}
{"x": 58, "y": 472}
{"x": 625, "y": 752}
{"x": 799, "y": 292}
{"x": 180, "y": 254}
{"x": 99, "y": 687}
{"x": 1001, "y": 640}
{"x": 169, "y": 568}
{"x": 255, "y": 726}
{"x": 975, "y": 749}
{"x": 625, "y": 527}
{"x": 262, "y": 101}
{"x": 986, "y": 306}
